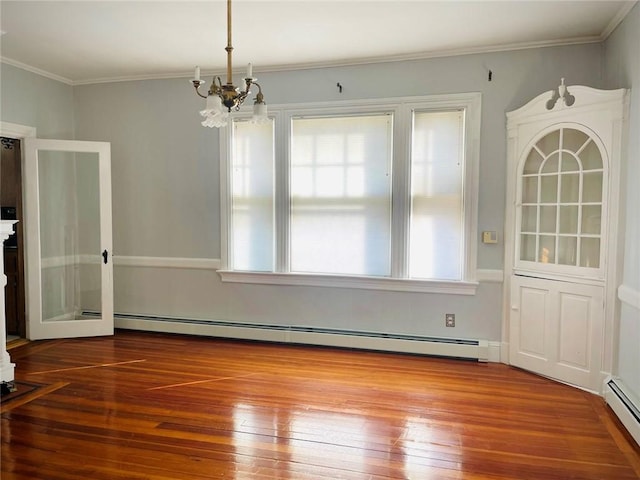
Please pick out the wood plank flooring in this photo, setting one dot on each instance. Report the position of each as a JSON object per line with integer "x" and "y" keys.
{"x": 163, "y": 407}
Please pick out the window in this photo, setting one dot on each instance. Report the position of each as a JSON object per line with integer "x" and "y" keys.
{"x": 365, "y": 195}
{"x": 340, "y": 176}
{"x": 252, "y": 197}
{"x": 436, "y": 221}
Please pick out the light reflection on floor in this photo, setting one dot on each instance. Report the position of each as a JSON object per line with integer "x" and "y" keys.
{"x": 317, "y": 437}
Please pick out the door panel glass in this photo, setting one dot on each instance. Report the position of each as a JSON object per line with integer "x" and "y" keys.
{"x": 573, "y": 139}
{"x": 567, "y": 248}
{"x": 592, "y": 187}
{"x": 591, "y": 219}
{"x": 590, "y": 253}
{"x": 552, "y": 164}
{"x": 568, "y": 219}
{"x": 561, "y": 201}
{"x": 547, "y": 252}
{"x": 570, "y": 188}
{"x": 529, "y": 219}
{"x": 69, "y": 204}
{"x": 549, "y": 189}
{"x": 569, "y": 163}
{"x": 529, "y": 189}
{"x": 549, "y": 143}
{"x": 548, "y": 219}
{"x": 534, "y": 160}
{"x": 590, "y": 157}
{"x": 528, "y": 248}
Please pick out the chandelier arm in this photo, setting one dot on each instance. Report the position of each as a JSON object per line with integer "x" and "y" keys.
{"x": 216, "y": 89}
{"x": 259, "y": 87}
{"x": 259, "y": 95}
{"x": 196, "y": 85}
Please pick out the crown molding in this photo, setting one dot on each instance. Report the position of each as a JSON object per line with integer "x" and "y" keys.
{"x": 361, "y": 61}
{"x": 37, "y": 71}
{"x": 617, "y": 19}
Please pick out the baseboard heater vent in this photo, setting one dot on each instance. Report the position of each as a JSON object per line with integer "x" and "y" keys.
{"x": 626, "y": 409}
{"x": 392, "y": 342}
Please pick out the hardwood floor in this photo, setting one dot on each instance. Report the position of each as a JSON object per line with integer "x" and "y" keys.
{"x": 163, "y": 407}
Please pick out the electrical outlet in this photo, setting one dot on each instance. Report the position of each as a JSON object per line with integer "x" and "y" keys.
{"x": 450, "y": 319}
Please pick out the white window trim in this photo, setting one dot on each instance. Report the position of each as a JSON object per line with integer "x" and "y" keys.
{"x": 401, "y": 107}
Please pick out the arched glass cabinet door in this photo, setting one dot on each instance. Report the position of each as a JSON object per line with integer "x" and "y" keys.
{"x": 561, "y": 208}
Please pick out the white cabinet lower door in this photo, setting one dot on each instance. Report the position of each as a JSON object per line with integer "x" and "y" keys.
{"x": 557, "y": 330}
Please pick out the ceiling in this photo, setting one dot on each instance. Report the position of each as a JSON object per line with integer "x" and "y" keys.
{"x": 94, "y": 41}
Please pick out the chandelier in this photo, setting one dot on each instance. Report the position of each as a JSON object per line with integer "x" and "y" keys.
{"x": 221, "y": 99}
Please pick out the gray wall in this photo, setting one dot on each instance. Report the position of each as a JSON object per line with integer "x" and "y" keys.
{"x": 36, "y": 101}
{"x": 164, "y": 166}
{"x": 622, "y": 69}
{"x": 166, "y": 199}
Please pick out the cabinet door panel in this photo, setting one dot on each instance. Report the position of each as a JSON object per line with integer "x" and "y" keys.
{"x": 555, "y": 329}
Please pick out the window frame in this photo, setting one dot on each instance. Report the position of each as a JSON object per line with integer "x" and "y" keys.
{"x": 402, "y": 111}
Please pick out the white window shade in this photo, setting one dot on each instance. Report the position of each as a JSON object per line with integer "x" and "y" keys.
{"x": 252, "y": 197}
{"x": 340, "y": 186}
{"x": 436, "y": 220}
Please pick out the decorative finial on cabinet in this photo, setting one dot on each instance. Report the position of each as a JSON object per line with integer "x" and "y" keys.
{"x": 562, "y": 93}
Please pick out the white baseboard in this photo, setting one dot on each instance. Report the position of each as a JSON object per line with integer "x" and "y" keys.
{"x": 504, "y": 352}
{"x": 479, "y": 350}
{"x": 625, "y": 406}
{"x": 495, "y": 352}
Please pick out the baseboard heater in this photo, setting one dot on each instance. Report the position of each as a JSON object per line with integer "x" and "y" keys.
{"x": 434, "y": 346}
{"x": 625, "y": 407}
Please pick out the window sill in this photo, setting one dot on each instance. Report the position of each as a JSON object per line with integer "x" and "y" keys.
{"x": 338, "y": 281}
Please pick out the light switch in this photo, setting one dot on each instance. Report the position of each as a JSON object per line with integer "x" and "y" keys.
{"x": 489, "y": 237}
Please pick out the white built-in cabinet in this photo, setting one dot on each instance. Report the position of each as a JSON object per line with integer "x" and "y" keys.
{"x": 561, "y": 233}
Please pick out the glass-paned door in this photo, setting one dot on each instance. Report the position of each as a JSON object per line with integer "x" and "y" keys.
{"x": 68, "y": 220}
{"x": 561, "y": 201}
